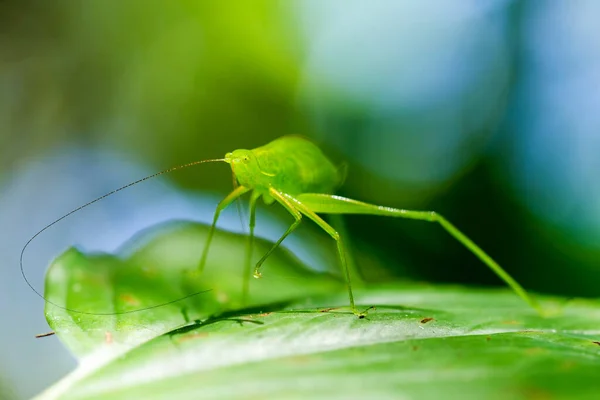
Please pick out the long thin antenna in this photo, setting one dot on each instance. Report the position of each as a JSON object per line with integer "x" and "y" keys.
{"x": 89, "y": 204}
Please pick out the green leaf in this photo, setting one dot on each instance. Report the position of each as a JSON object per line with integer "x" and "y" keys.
{"x": 420, "y": 341}
{"x": 159, "y": 267}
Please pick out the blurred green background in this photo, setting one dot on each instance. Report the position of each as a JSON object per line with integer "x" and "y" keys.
{"x": 485, "y": 111}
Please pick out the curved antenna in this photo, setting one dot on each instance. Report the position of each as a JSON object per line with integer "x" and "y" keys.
{"x": 191, "y": 164}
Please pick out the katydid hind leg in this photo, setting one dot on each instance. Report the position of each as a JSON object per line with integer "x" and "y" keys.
{"x": 331, "y": 204}
{"x": 340, "y": 246}
{"x": 231, "y": 197}
{"x": 338, "y": 223}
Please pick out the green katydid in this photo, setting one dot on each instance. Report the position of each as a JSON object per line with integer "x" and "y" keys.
{"x": 295, "y": 173}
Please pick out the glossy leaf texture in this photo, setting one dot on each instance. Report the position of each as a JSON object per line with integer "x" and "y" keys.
{"x": 103, "y": 292}
{"x": 297, "y": 338}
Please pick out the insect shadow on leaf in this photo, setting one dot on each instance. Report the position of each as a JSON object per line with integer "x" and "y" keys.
{"x": 241, "y": 316}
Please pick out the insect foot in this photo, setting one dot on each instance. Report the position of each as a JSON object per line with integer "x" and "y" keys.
{"x": 363, "y": 314}
{"x": 257, "y": 274}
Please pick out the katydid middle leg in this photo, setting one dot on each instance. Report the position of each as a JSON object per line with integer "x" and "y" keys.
{"x": 331, "y": 204}
{"x": 281, "y": 199}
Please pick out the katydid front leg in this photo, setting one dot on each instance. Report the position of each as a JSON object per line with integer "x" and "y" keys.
{"x": 331, "y": 204}
{"x": 231, "y": 197}
{"x": 296, "y": 208}
{"x": 249, "y": 247}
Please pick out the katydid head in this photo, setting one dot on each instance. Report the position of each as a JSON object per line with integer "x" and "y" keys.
{"x": 245, "y": 167}
{"x": 240, "y": 157}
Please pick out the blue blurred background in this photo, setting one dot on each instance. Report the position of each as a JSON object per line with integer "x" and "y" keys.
{"x": 486, "y": 111}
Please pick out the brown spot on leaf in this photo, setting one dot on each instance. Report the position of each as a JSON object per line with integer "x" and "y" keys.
{"x": 598, "y": 343}
{"x": 426, "y": 320}
{"x": 535, "y": 351}
{"x": 150, "y": 271}
{"x": 222, "y": 297}
{"x": 535, "y": 393}
{"x": 328, "y": 309}
{"x": 192, "y": 336}
{"x": 567, "y": 365}
{"x": 129, "y": 299}
{"x": 300, "y": 360}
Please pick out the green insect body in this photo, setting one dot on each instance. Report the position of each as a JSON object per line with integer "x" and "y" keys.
{"x": 291, "y": 164}
{"x": 295, "y": 173}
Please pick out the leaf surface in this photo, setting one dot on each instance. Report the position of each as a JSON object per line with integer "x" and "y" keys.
{"x": 297, "y": 337}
